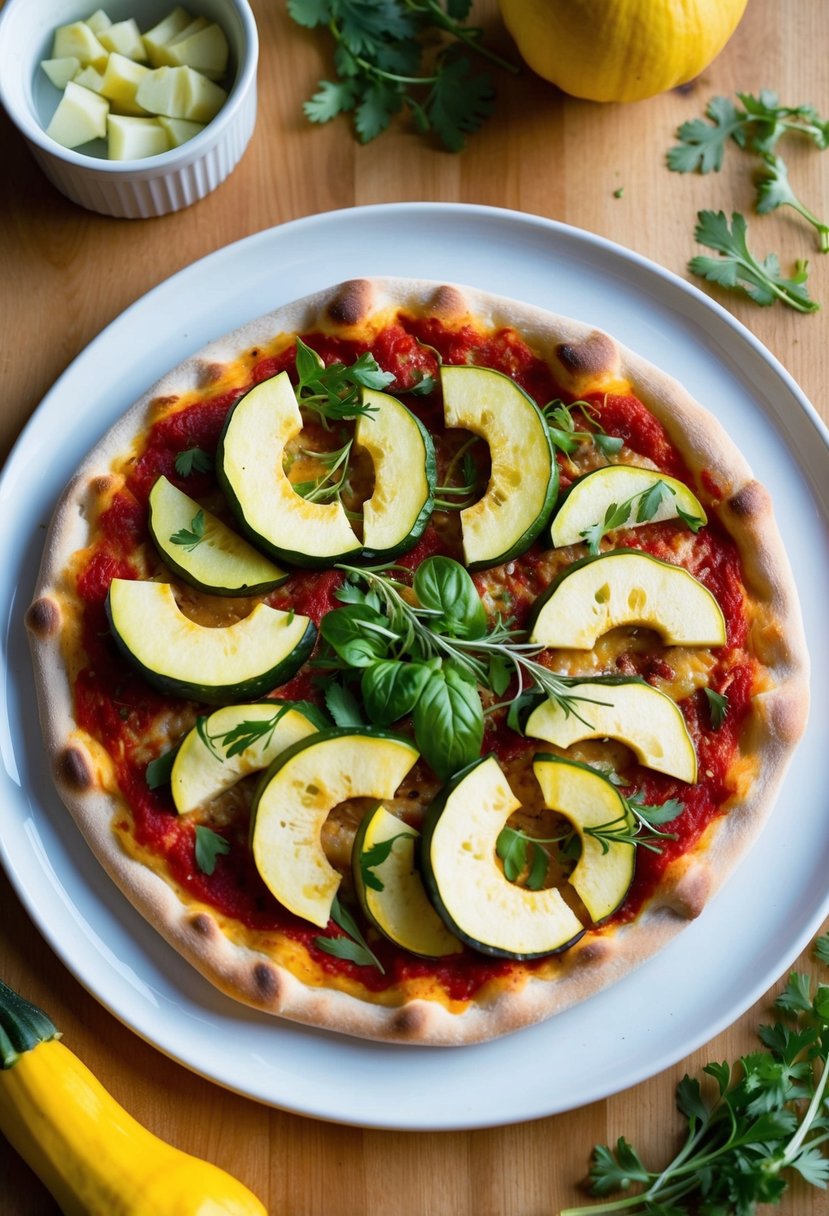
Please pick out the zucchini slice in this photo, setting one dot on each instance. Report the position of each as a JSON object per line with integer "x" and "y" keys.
{"x": 217, "y": 560}
{"x": 468, "y": 887}
{"x": 626, "y": 587}
{"x": 250, "y": 471}
{"x": 648, "y": 721}
{"x": 405, "y": 473}
{"x": 390, "y": 889}
{"x": 295, "y": 797}
{"x": 604, "y": 872}
{"x": 591, "y": 496}
{"x": 178, "y": 656}
{"x": 523, "y": 483}
{"x": 202, "y": 769}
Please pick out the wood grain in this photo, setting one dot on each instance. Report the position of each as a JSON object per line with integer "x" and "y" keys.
{"x": 67, "y": 273}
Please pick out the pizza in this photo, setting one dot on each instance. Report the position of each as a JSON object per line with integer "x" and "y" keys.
{"x": 416, "y": 661}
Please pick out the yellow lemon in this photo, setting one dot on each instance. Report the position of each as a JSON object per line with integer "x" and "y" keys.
{"x": 620, "y": 50}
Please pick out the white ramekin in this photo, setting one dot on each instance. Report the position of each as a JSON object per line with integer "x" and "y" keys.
{"x": 135, "y": 189}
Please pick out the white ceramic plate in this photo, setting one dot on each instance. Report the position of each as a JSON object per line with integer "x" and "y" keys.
{"x": 751, "y": 932}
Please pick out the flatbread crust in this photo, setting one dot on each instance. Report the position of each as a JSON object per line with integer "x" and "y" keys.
{"x": 582, "y": 359}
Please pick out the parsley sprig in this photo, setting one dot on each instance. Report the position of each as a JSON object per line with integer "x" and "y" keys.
{"x": 190, "y": 538}
{"x": 350, "y": 944}
{"x": 385, "y": 63}
{"x": 737, "y": 267}
{"x": 768, "y": 1115}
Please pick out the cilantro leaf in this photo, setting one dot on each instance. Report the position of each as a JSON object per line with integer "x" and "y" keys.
{"x": 209, "y": 846}
{"x": 193, "y": 460}
{"x": 702, "y": 144}
{"x": 190, "y": 537}
{"x": 352, "y": 946}
{"x": 157, "y": 773}
{"x": 396, "y": 55}
{"x": 738, "y": 268}
{"x": 774, "y": 190}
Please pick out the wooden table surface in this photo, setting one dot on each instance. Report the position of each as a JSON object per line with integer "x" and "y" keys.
{"x": 66, "y": 273}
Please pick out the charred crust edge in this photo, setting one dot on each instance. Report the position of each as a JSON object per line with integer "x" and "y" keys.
{"x": 73, "y": 770}
{"x": 449, "y": 302}
{"x": 595, "y": 355}
{"x": 43, "y": 617}
{"x": 410, "y": 1022}
{"x": 203, "y": 924}
{"x": 266, "y": 982}
{"x": 750, "y": 501}
{"x": 351, "y": 303}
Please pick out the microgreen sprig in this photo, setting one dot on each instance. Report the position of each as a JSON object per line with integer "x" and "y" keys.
{"x": 333, "y": 392}
{"x": 640, "y": 507}
{"x": 562, "y": 428}
{"x": 190, "y": 538}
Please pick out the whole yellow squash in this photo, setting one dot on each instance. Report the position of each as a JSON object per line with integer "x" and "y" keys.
{"x": 620, "y": 50}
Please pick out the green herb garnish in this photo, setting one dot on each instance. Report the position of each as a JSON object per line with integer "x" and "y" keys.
{"x": 393, "y": 56}
{"x": 209, "y": 846}
{"x": 375, "y": 856}
{"x": 333, "y": 392}
{"x": 157, "y": 772}
{"x": 562, "y": 428}
{"x": 768, "y": 1115}
{"x": 353, "y": 946}
{"x": 193, "y": 460}
{"x": 190, "y": 537}
{"x": 717, "y": 707}
{"x": 425, "y": 647}
{"x": 639, "y": 508}
{"x": 737, "y": 267}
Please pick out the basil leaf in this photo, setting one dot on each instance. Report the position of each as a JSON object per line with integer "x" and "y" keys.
{"x": 209, "y": 846}
{"x": 448, "y": 723}
{"x": 357, "y": 633}
{"x": 511, "y": 847}
{"x": 391, "y": 688}
{"x": 443, "y": 585}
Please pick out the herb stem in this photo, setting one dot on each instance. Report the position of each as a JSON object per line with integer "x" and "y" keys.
{"x": 470, "y": 36}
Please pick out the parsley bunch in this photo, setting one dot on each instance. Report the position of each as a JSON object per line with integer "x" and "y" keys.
{"x": 768, "y": 1115}
{"x": 757, "y": 128}
{"x": 380, "y": 48}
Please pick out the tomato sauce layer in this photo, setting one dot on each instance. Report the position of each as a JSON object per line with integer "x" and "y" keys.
{"x": 116, "y": 706}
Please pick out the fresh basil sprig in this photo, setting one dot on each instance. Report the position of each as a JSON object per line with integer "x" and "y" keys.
{"x": 424, "y": 647}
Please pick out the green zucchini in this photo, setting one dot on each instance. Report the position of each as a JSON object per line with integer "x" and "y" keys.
{"x": 203, "y": 551}
{"x": 249, "y": 465}
{"x": 523, "y": 483}
{"x": 176, "y": 655}
{"x": 468, "y": 887}
{"x": 405, "y": 472}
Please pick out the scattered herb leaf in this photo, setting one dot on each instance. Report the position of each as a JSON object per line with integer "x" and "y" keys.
{"x": 209, "y": 847}
{"x": 717, "y": 707}
{"x": 193, "y": 460}
{"x": 353, "y": 946}
{"x": 737, "y": 268}
{"x": 190, "y": 537}
{"x": 157, "y": 772}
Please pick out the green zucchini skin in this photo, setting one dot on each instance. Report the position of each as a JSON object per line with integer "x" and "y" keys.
{"x": 287, "y": 422}
{"x": 217, "y": 693}
{"x": 433, "y": 889}
{"x": 412, "y": 530}
{"x": 233, "y": 568}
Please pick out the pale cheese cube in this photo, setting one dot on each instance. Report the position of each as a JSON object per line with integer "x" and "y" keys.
{"x": 81, "y": 116}
{"x": 61, "y": 71}
{"x": 89, "y": 78}
{"x": 179, "y": 130}
{"x": 120, "y": 84}
{"x": 156, "y": 39}
{"x": 98, "y": 21}
{"x": 130, "y": 138}
{"x": 124, "y": 38}
{"x": 205, "y": 49}
{"x": 180, "y": 93}
{"x": 77, "y": 40}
